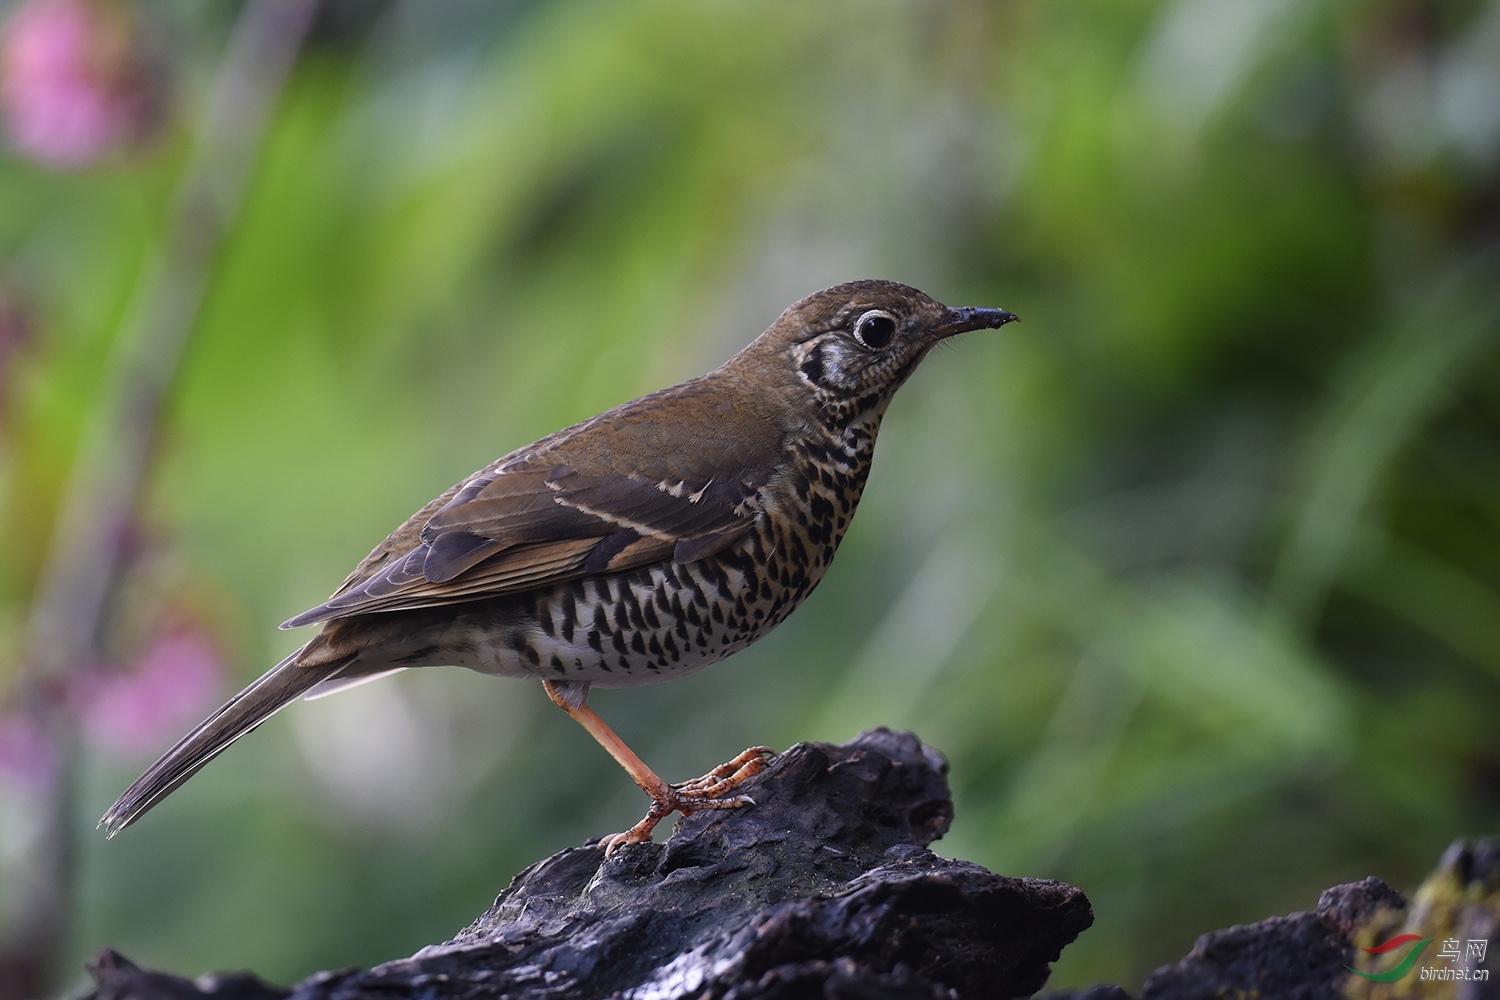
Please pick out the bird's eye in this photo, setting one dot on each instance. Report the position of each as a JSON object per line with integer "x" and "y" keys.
{"x": 875, "y": 329}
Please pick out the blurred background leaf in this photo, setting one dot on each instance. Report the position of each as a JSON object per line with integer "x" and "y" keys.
{"x": 1194, "y": 575}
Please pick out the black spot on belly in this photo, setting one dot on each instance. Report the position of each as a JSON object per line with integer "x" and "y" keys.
{"x": 595, "y": 640}
{"x": 632, "y": 607}
{"x": 743, "y": 562}
{"x": 716, "y": 575}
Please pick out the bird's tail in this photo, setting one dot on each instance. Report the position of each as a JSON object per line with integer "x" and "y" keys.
{"x": 274, "y": 689}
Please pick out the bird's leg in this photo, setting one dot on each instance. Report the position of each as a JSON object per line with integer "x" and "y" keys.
{"x": 708, "y": 792}
{"x": 572, "y": 697}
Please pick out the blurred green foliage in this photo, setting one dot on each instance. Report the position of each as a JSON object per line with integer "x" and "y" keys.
{"x": 1194, "y": 575}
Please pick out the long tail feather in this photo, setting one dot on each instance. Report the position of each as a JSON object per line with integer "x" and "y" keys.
{"x": 241, "y": 714}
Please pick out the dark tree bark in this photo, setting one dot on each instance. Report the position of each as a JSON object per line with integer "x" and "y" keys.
{"x": 825, "y": 888}
{"x": 1312, "y": 956}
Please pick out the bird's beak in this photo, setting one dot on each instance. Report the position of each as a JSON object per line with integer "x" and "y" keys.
{"x": 966, "y": 318}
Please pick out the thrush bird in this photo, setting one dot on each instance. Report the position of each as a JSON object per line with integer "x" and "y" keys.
{"x": 659, "y": 537}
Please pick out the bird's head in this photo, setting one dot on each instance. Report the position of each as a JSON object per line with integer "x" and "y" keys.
{"x": 853, "y": 345}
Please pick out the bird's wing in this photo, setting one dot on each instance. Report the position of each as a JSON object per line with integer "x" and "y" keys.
{"x": 587, "y": 500}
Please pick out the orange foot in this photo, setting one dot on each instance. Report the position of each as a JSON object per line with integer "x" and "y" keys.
{"x": 712, "y": 791}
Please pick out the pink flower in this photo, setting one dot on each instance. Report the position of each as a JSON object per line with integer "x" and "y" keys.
{"x": 72, "y": 80}
{"x": 167, "y": 689}
{"x": 28, "y": 758}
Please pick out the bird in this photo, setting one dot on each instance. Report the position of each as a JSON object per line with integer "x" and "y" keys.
{"x": 643, "y": 544}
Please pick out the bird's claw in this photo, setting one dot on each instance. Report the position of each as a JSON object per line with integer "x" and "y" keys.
{"x": 711, "y": 791}
{"x": 725, "y": 778}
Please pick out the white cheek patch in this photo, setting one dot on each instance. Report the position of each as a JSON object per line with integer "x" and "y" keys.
{"x": 833, "y": 365}
{"x": 829, "y": 362}
{"x": 841, "y": 365}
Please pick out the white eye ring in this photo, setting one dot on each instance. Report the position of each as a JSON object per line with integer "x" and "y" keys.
{"x": 875, "y": 329}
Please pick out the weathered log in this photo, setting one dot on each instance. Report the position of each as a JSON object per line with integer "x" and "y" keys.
{"x": 1312, "y": 956}
{"x": 824, "y": 888}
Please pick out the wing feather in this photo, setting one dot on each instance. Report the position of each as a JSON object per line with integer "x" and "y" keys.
{"x": 565, "y": 506}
